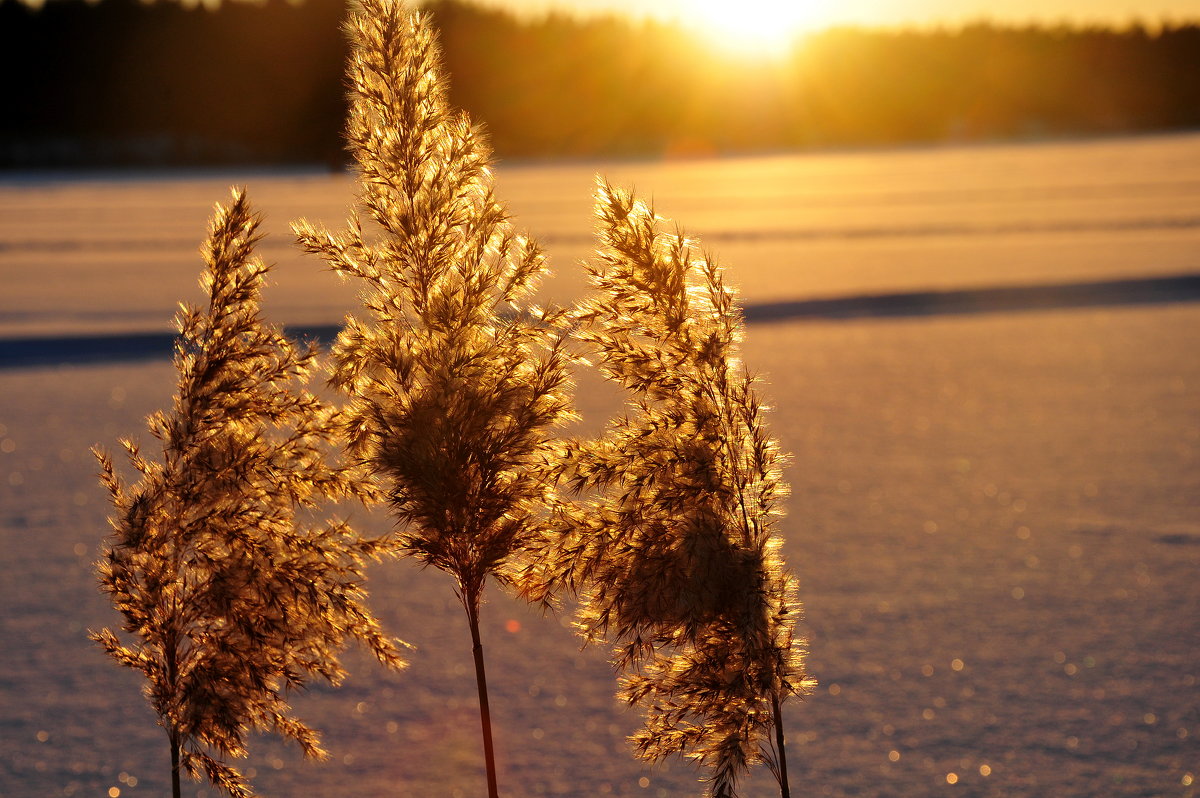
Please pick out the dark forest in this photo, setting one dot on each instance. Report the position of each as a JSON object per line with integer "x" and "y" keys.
{"x": 120, "y": 82}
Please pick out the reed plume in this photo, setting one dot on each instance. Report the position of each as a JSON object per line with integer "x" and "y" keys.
{"x": 232, "y": 600}
{"x": 453, "y": 379}
{"x": 676, "y": 558}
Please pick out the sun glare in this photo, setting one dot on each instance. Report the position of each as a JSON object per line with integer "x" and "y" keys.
{"x": 765, "y": 27}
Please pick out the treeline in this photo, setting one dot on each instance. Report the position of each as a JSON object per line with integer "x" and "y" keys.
{"x": 122, "y": 82}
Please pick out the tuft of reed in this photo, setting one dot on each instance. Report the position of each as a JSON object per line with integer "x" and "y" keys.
{"x": 453, "y": 379}
{"x": 230, "y": 598}
{"x": 675, "y": 556}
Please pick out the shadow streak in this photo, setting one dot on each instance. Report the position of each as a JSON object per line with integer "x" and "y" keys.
{"x": 29, "y": 352}
{"x": 1008, "y": 299}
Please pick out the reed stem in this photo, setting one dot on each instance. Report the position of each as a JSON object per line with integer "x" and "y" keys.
{"x": 780, "y": 751}
{"x": 485, "y": 713}
{"x": 175, "y": 789}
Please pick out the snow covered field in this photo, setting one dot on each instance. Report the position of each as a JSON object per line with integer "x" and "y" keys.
{"x": 995, "y": 515}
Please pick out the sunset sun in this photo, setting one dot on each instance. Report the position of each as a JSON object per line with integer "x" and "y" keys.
{"x": 765, "y": 27}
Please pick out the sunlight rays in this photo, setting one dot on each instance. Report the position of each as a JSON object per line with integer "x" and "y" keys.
{"x": 753, "y": 27}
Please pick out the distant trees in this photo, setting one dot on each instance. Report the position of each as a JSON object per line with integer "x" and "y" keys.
{"x": 231, "y": 598}
{"x": 986, "y": 81}
{"x": 121, "y": 81}
{"x": 129, "y": 82}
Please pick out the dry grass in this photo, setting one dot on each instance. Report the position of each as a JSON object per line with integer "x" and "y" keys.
{"x": 675, "y": 553}
{"x": 455, "y": 381}
{"x": 232, "y": 600}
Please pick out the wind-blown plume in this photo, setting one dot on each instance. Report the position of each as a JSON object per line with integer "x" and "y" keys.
{"x": 232, "y": 600}
{"x": 677, "y": 562}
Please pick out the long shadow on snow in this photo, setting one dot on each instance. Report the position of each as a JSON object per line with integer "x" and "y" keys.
{"x": 136, "y": 347}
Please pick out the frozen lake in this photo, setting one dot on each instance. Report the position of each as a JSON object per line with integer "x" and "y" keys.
{"x": 994, "y": 515}
{"x": 108, "y": 254}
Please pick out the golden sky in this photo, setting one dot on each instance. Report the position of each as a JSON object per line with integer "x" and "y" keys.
{"x": 820, "y": 13}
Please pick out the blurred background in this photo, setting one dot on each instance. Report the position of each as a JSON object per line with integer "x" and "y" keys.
{"x": 967, "y": 237}
{"x": 122, "y": 82}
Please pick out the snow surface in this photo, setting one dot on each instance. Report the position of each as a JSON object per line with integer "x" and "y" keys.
{"x": 994, "y": 516}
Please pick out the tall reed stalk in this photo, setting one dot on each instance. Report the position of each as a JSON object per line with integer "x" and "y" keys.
{"x": 676, "y": 558}
{"x": 453, "y": 379}
{"x": 232, "y": 600}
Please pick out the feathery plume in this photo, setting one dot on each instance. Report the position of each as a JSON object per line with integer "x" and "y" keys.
{"x": 677, "y": 560}
{"x": 453, "y": 379}
{"x": 232, "y": 600}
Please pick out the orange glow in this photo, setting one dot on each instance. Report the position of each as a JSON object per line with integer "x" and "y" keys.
{"x": 762, "y": 27}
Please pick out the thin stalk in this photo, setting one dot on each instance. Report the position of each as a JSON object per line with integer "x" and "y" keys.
{"x": 485, "y": 713}
{"x": 173, "y": 732}
{"x": 781, "y": 753}
{"x": 175, "y": 791}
